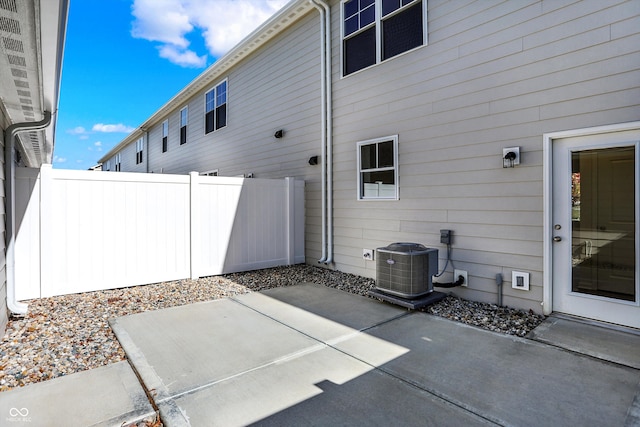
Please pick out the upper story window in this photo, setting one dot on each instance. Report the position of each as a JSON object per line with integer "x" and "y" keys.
{"x": 216, "y": 108}
{"x": 210, "y": 173}
{"x": 139, "y": 150}
{"x": 378, "y": 169}
{"x": 165, "y": 136}
{"x": 117, "y": 162}
{"x": 376, "y": 30}
{"x": 184, "y": 119}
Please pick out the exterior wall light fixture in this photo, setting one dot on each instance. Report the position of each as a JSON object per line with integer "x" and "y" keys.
{"x": 510, "y": 157}
{"x": 279, "y": 134}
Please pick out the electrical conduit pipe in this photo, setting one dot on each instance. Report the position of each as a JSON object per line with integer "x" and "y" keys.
{"x": 14, "y": 306}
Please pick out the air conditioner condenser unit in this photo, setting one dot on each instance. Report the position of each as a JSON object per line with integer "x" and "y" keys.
{"x": 405, "y": 269}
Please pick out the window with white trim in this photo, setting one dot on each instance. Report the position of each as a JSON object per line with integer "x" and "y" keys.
{"x": 184, "y": 119}
{"x": 117, "y": 161}
{"x": 376, "y": 30}
{"x": 215, "y": 116}
{"x": 165, "y": 136}
{"x": 139, "y": 150}
{"x": 378, "y": 169}
{"x": 107, "y": 166}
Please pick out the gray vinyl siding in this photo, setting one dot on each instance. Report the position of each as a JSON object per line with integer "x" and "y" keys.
{"x": 276, "y": 88}
{"x": 493, "y": 75}
{"x": 4, "y": 317}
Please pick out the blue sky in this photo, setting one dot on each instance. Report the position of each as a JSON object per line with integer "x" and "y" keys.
{"x": 124, "y": 61}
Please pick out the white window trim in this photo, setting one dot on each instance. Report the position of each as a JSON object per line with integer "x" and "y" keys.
{"x": 140, "y": 150}
{"x": 359, "y": 196}
{"x": 378, "y": 6}
{"x": 185, "y": 125}
{"x": 186, "y": 110}
{"x": 204, "y": 104}
{"x": 165, "y": 128}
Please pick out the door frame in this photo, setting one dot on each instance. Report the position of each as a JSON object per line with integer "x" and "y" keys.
{"x": 547, "y": 167}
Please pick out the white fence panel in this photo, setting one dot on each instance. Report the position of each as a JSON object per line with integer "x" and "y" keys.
{"x": 82, "y": 231}
{"x": 246, "y": 224}
{"x": 113, "y": 230}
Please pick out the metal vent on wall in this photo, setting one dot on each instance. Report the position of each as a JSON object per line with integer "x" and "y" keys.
{"x": 9, "y": 25}
{"x": 9, "y": 5}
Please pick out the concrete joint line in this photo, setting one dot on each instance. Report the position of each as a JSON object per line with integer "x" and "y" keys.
{"x": 288, "y": 357}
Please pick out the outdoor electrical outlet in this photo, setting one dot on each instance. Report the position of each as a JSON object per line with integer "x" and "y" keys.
{"x": 367, "y": 254}
{"x": 458, "y": 273}
{"x": 520, "y": 280}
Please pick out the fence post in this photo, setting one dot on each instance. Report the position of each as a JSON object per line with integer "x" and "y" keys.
{"x": 194, "y": 224}
{"x": 291, "y": 217}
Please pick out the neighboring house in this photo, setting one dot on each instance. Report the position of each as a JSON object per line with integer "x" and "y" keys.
{"x": 424, "y": 100}
{"x": 31, "y": 49}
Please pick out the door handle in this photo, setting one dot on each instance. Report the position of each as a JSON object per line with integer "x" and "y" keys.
{"x": 557, "y": 239}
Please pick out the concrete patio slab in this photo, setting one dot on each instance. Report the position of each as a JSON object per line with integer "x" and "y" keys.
{"x": 510, "y": 380}
{"x": 322, "y": 388}
{"x": 323, "y": 313}
{"x": 107, "y": 396}
{"x": 182, "y": 348}
{"x": 310, "y": 355}
{"x": 619, "y": 345}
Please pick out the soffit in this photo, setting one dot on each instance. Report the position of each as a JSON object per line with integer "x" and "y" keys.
{"x": 24, "y": 92}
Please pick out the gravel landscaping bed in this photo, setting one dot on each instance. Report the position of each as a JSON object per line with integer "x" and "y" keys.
{"x": 67, "y": 334}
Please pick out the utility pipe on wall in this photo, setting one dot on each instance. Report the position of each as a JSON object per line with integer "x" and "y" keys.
{"x": 11, "y": 134}
{"x": 327, "y": 131}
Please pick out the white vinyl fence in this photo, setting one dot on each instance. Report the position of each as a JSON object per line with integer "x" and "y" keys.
{"x": 80, "y": 231}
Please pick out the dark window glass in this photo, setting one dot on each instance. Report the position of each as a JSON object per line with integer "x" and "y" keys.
{"x": 183, "y": 135}
{"x": 221, "y": 94}
{"x": 350, "y": 8}
{"x": 402, "y": 32}
{"x": 389, "y": 6}
{"x": 164, "y": 144}
{"x": 351, "y": 25}
{"x": 367, "y": 16}
{"x": 368, "y": 157}
{"x": 385, "y": 154}
{"x": 221, "y": 116}
{"x": 360, "y": 51}
{"x": 209, "y": 122}
{"x": 383, "y": 177}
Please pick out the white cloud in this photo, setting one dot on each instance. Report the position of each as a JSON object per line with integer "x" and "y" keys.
{"x": 77, "y": 131}
{"x": 57, "y": 159}
{"x": 222, "y": 24}
{"x": 186, "y": 58}
{"x": 96, "y": 145}
{"x": 120, "y": 128}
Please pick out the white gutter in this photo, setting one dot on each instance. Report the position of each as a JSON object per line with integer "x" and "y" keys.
{"x": 327, "y": 132}
{"x": 16, "y": 307}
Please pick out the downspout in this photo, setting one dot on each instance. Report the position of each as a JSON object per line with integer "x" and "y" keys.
{"x": 14, "y": 306}
{"x": 323, "y": 137}
{"x": 327, "y": 149}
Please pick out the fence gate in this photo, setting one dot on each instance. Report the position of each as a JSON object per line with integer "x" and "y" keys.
{"x": 81, "y": 231}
